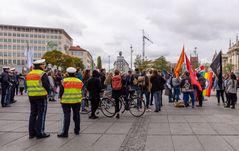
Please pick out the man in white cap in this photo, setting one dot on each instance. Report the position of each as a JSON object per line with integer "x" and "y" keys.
{"x": 38, "y": 88}
{"x": 71, "y": 96}
{"x": 5, "y": 101}
{"x": 13, "y": 81}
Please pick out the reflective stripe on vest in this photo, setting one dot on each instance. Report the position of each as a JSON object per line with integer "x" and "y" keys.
{"x": 72, "y": 91}
{"x": 34, "y": 84}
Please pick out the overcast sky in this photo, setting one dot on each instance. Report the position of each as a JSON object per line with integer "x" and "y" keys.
{"x": 105, "y": 27}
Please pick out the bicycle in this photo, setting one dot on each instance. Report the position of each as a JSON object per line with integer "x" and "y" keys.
{"x": 106, "y": 106}
{"x": 136, "y": 105}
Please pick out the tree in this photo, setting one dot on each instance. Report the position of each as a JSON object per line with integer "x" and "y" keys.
{"x": 161, "y": 64}
{"x": 62, "y": 60}
{"x": 142, "y": 64}
{"x": 229, "y": 67}
{"x": 99, "y": 63}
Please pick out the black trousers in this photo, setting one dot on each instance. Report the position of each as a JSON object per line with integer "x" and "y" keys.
{"x": 37, "y": 116}
{"x": 232, "y": 98}
{"x": 16, "y": 87}
{"x": 200, "y": 98}
{"x": 220, "y": 93}
{"x": 12, "y": 89}
{"x": 94, "y": 105}
{"x": 4, "y": 93}
{"x": 67, "y": 116}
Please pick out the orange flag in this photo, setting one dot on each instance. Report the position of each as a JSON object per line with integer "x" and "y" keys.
{"x": 180, "y": 62}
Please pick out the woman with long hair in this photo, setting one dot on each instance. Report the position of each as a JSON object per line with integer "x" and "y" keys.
{"x": 232, "y": 91}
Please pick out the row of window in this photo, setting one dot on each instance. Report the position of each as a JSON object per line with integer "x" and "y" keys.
{"x": 17, "y": 47}
{"x": 31, "y": 29}
{"x": 27, "y": 41}
{"x": 19, "y": 54}
{"x": 10, "y": 62}
{"x": 30, "y": 35}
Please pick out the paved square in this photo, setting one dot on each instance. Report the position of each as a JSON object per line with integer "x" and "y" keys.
{"x": 211, "y": 128}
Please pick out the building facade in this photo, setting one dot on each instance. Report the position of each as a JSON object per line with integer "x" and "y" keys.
{"x": 16, "y": 41}
{"x": 121, "y": 64}
{"x": 83, "y": 54}
{"x": 232, "y": 56}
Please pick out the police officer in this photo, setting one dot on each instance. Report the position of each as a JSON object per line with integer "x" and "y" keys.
{"x": 71, "y": 96}
{"x": 38, "y": 88}
{"x": 5, "y": 101}
{"x": 13, "y": 81}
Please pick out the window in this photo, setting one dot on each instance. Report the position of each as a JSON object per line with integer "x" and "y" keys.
{"x": 9, "y": 53}
{"x": 43, "y": 36}
{"x": 5, "y": 46}
{"x": 39, "y": 36}
{"x": 1, "y": 62}
{"x": 9, "y": 40}
{"x": 35, "y": 41}
{"x": 18, "y": 62}
{"x": 22, "y": 41}
{"x": 9, "y": 61}
{"x": 14, "y": 47}
{"x": 18, "y": 41}
{"x": 31, "y": 41}
{"x": 22, "y": 35}
{"x": 22, "y": 48}
{"x": 23, "y": 62}
{"x": 18, "y": 48}
{"x": 43, "y": 48}
{"x": 5, "y": 34}
{"x": 35, "y": 47}
{"x": 1, "y": 34}
{"x": 5, "y": 62}
{"x": 59, "y": 37}
{"x": 14, "y": 40}
{"x": 47, "y": 36}
{"x": 18, "y": 35}
{"x": 1, "y": 40}
{"x": 31, "y": 35}
{"x": 35, "y": 55}
{"x": 35, "y": 36}
{"x": 14, "y": 54}
{"x": 39, "y": 48}
{"x": 14, "y": 61}
{"x": 14, "y": 34}
{"x": 5, "y": 40}
{"x": 26, "y": 35}
{"x": 9, "y": 34}
{"x": 1, "y": 46}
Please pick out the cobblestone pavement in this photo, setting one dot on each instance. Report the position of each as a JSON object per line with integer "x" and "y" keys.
{"x": 209, "y": 128}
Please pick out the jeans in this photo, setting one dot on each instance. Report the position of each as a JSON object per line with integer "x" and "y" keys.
{"x": 146, "y": 93}
{"x": 158, "y": 100}
{"x": 176, "y": 93}
{"x": 186, "y": 98}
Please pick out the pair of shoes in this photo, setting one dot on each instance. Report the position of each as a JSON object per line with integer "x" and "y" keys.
{"x": 13, "y": 101}
{"x": 77, "y": 132}
{"x": 117, "y": 116}
{"x": 192, "y": 106}
{"x": 32, "y": 136}
{"x": 62, "y": 135}
{"x": 198, "y": 105}
{"x": 233, "y": 107}
{"x": 156, "y": 111}
{"x": 227, "y": 106}
{"x": 44, "y": 135}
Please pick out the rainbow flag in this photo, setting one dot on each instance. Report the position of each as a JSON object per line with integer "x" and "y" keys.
{"x": 208, "y": 77}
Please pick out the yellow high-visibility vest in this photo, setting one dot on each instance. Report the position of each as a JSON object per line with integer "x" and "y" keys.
{"x": 72, "y": 91}
{"x": 34, "y": 83}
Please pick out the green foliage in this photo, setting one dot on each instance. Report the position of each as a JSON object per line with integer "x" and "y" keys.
{"x": 99, "y": 63}
{"x": 228, "y": 67}
{"x": 62, "y": 60}
{"x": 161, "y": 64}
{"x": 142, "y": 64}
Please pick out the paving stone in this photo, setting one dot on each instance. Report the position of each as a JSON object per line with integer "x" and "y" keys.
{"x": 186, "y": 143}
{"x": 158, "y": 128}
{"x": 180, "y": 128}
{"x": 159, "y": 143}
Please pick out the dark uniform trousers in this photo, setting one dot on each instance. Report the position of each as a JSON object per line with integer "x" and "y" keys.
{"x": 4, "y": 99}
{"x": 67, "y": 116}
{"x": 37, "y": 116}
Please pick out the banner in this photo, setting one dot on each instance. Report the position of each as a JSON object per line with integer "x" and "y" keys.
{"x": 192, "y": 74}
{"x": 180, "y": 62}
{"x": 216, "y": 67}
{"x": 208, "y": 77}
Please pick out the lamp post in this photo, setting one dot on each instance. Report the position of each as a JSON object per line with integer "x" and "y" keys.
{"x": 109, "y": 62}
{"x": 131, "y": 52}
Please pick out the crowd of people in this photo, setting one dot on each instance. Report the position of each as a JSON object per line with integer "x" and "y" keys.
{"x": 73, "y": 85}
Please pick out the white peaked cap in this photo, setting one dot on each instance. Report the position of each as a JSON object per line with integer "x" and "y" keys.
{"x": 71, "y": 70}
{"x": 6, "y": 67}
{"x": 41, "y": 61}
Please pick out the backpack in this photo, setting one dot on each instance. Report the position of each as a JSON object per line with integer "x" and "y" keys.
{"x": 116, "y": 82}
{"x": 141, "y": 81}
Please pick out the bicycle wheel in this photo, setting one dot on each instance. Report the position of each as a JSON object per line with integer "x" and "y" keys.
{"x": 107, "y": 107}
{"x": 137, "y": 107}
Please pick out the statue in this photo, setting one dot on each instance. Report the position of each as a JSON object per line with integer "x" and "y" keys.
{"x": 120, "y": 53}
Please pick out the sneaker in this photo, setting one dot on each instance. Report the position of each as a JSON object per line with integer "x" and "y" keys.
{"x": 45, "y": 135}
{"x": 117, "y": 116}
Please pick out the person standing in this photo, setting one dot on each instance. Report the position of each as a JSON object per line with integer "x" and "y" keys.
{"x": 86, "y": 77}
{"x": 38, "y": 87}
{"x": 157, "y": 89}
{"x": 116, "y": 90}
{"x": 21, "y": 83}
{"x": 220, "y": 90}
{"x": 5, "y": 101}
{"x": 176, "y": 88}
{"x": 71, "y": 96}
{"x": 187, "y": 89}
{"x": 202, "y": 82}
{"x": 232, "y": 91}
{"x": 94, "y": 88}
{"x": 13, "y": 81}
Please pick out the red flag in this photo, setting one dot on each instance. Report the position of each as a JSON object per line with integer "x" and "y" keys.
{"x": 192, "y": 75}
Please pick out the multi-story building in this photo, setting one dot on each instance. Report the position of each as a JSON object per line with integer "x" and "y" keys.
{"x": 121, "y": 64}
{"x": 83, "y": 54}
{"x": 232, "y": 56}
{"x": 15, "y": 41}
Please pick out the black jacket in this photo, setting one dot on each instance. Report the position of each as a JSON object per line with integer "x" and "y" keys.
{"x": 157, "y": 83}
{"x": 94, "y": 87}
{"x": 5, "y": 78}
